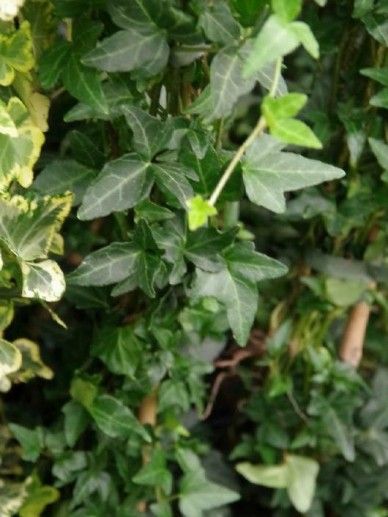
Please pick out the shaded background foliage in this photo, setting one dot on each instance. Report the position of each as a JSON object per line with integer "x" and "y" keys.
{"x": 170, "y": 383}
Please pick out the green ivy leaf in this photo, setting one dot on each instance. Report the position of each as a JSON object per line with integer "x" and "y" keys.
{"x": 115, "y": 419}
{"x": 121, "y": 184}
{"x": 84, "y": 84}
{"x": 31, "y": 440}
{"x": 119, "y": 349}
{"x": 61, "y": 176}
{"x": 198, "y": 494}
{"x": 155, "y": 473}
{"x": 268, "y": 175}
{"x": 150, "y": 134}
{"x": 276, "y": 39}
{"x": 144, "y": 49}
{"x": 107, "y": 265}
{"x": 295, "y": 132}
{"x": 236, "y": 286}
{"x": 219, "y": 25}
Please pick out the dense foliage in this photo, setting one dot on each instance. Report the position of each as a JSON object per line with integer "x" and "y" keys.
{"x": 211, "y": 179}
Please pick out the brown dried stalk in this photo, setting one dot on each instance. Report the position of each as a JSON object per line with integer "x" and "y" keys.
{"x": 352, "y": 344}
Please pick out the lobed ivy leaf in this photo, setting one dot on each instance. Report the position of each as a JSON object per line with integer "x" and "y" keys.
{"x": 61, "y": 176}
{"x": 121, "y": 184}
{"x": 269, "y": 174}
{"x": 42, "y": 280}
{"x": 107, "y": 265}
{"x": 115, "y": 419}
{"x": 28, "y": 228}
{"x": 235, "y": 285}
{"x": 150, "y": 135}
{"x": 219, "y": 25}
{"x": 142, "y": 49}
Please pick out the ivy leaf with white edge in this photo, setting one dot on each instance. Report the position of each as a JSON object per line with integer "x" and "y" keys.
{"x": 42, "y": 280}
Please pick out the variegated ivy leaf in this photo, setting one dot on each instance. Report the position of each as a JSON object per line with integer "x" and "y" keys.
{"x": 268, "y": 173}
{"x": 15, "y": 53}
{"x": 20, "y": 150}
{"x": 235, "y": 285}
{"x": 42, "y": 280}
{"x": 28, "y": 227}
{"x": 10, "y": 358}
{"x": 32, "y": 364}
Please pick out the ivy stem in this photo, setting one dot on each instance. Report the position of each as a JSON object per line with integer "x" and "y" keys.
{"x": 257, "y": 131}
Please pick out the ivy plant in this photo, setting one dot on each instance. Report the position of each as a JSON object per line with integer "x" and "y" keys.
{"x": 193, "y": 208}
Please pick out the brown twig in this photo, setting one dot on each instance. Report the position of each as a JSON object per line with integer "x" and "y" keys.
{"x": 352, "y": 344}
{"x": 254, "y": 348}
{"x": 147, "y": 416}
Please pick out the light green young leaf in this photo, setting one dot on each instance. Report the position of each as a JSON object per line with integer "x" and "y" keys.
{"x": 38, "y": 498}
{"x": 121, "y": 184}
{"x": 268, "y": 177}
{"x": 199, "y": 210}
{"x": 295, "y": 132}
{"x": 131, "y": 49}
{"x": 288, "y": 10}
{"x": 107, "y": 265}
{"x": 286, "y": 106}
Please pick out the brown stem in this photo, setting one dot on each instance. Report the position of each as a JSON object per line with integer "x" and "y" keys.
{"x": 147, "y": 415}
{"x": 352, "y": 343}
{"x": 147, "y": 410}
